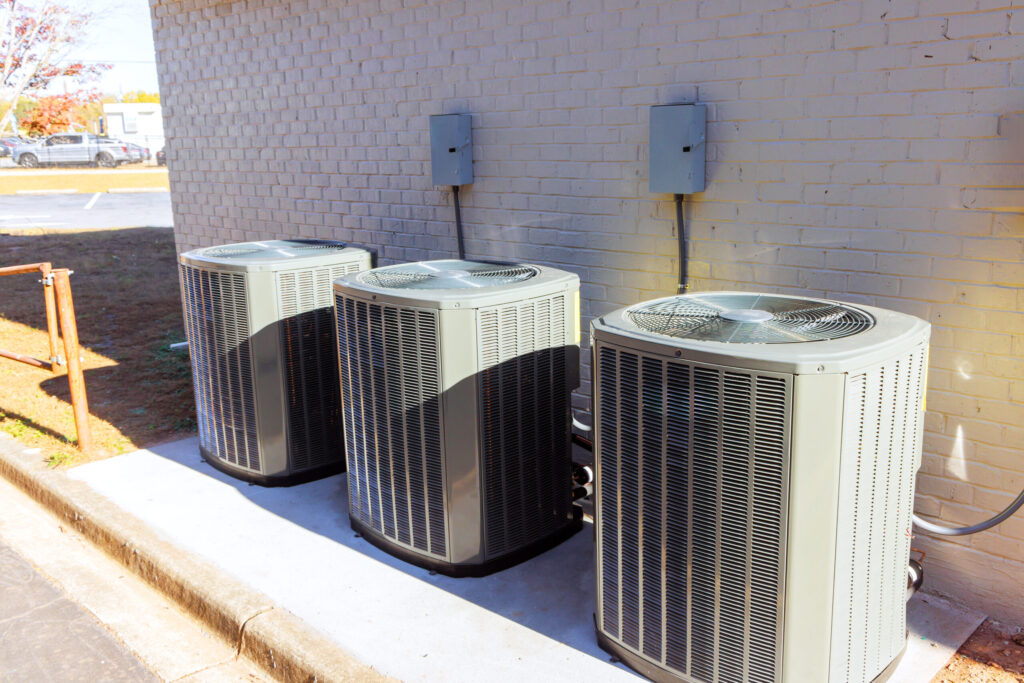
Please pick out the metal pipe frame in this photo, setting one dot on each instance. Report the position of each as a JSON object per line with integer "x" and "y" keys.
{"x": 60, "y": 312}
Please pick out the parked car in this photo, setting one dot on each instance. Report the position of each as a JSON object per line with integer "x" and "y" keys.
{"x": 8, "y": 144}
{"x": 134, "y": 152}
{"x": 137, "y": 153}
{"x": 161, "y": 158}
{"x": 72, "y": 148}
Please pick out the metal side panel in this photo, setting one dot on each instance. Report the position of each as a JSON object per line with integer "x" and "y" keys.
{"x": 218, "y": 327}
{"x": 881, "y": 447}
{"x": 459, "y": 365}
{"x": 268, "y": 373}
{"x": 813, "y": 492}
{"x": 524, "y": 388}
{"x": 692, "y": 466}
{"x": 390, "y": 378}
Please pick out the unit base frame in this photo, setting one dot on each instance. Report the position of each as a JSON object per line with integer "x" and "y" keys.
{"x": 660, "y": 675}
{"x": 271, "y": 481}
{"x": 464, "y": 570}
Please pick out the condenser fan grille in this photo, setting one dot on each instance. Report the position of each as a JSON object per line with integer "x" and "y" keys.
{"x": 750, "y": 318}
{"x": 448, "y": 275}
{"x": 274, "y": 249}
{"x": 230, "y": 252}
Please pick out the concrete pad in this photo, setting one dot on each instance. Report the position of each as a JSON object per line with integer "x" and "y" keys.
{"x": 295, "y": 545}
{"x": 937, "y": 630}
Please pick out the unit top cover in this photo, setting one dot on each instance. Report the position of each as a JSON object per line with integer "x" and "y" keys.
{"x": 768, "y": 331}
{"x": 271, "y": 254}
{"x": 453, "y": 282}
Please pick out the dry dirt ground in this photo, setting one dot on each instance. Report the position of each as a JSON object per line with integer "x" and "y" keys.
{"x": 993, "y": 654}
{"x": 125, "y": 290}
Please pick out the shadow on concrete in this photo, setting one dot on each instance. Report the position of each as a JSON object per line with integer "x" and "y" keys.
{"x": 513, "y": 401}
{"x": 552, "y": 594}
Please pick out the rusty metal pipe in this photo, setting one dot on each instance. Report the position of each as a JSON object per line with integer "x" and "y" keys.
{"x": 43, "y": 268}
{"x": 76, "y": 380}
{"x": 28, "y": 360}
{"x": 51, "y": 318}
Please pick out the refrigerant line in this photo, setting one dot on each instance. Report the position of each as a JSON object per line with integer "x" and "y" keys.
{"x": 974, "y": 528}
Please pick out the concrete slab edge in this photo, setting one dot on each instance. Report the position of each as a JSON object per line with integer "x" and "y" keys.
{"x": 273, "y": 638}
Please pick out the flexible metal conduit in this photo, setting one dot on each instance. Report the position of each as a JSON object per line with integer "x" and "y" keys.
{"x": 681, "y": 234}
{"x": 458, "y": 223}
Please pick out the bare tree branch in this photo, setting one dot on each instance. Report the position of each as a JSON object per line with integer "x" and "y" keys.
{"x": 36, "y": 43}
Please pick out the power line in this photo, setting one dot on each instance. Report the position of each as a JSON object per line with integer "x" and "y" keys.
{"x": 112, "y": 61}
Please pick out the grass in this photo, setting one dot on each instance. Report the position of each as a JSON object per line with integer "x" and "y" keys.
{"x": 125, "y": 289}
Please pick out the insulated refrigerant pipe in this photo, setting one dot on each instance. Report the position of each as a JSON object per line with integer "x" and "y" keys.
{"x": 974, "y": 528}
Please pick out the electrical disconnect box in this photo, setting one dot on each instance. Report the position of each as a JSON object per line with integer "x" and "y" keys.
{"x": 451, "y": 149}
{"x": 677, "y": 148}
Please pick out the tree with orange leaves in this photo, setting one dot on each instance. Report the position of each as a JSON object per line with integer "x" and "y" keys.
{"x": 35, "y": 41}
{"x": 57, "y": 113}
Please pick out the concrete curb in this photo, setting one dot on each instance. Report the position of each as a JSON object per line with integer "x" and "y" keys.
{"x": 279, "y": 642}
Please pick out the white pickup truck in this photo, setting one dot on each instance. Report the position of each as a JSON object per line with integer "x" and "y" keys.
{"x": 72, "y": 148}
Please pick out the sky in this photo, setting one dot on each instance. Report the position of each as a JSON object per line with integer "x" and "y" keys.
{"x": 120, "y": 34}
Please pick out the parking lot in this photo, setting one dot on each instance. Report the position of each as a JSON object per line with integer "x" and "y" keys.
{"x": 85, "y": 210}
{"x": 81, "y": 179}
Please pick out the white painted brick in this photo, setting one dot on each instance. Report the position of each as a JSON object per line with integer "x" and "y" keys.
{"x": 866, "y": 150}
{"x": 973, "y": 25}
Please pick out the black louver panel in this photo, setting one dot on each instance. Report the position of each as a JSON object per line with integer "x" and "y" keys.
{"x": 309, "y": 351}
{"x": 525, "y": 422}
{"x": 390, "y": 379}
{"x": 217, "y": 324}
{"x": 692, "y": 470}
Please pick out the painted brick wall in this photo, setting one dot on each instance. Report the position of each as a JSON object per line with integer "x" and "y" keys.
{"x": 869, "y": 151}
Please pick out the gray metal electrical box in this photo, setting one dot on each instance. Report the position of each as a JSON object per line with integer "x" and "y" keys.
{"x": 677, "y": 148}
{"x": 451, "y": 149}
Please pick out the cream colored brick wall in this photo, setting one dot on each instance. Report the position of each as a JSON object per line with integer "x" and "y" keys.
{"x": 869, "y": 151}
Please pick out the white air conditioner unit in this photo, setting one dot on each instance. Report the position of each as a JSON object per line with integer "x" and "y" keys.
{"x": 457, "y": 377}
{"x": 755, "y": 459}
{"x": 259, "y": 320}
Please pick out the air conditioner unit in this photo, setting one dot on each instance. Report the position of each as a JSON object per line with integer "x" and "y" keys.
{"x": 456, "y": 379}
{"x": 258, "y": 316}
{"x": 755, "y": 459}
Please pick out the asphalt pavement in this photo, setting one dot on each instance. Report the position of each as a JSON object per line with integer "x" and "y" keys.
{"x": 76, "y": 211}
{"x": 45, "y": 636}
